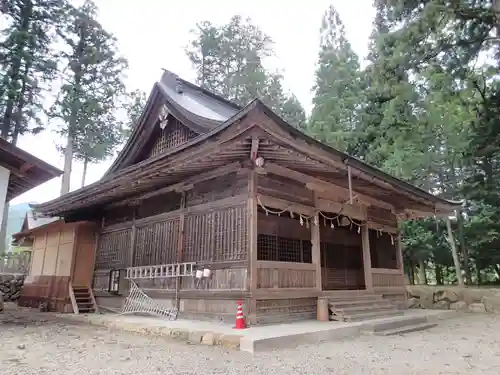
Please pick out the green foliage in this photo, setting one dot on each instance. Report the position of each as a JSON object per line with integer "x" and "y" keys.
{"x": 425, "y": 109}
{"x": 134, "y": 107}
{"x": 92, "y": 88}
{"x": 229, "y": 61}
{"x": 337, "y": 90}
{"x": 27, "y": 62}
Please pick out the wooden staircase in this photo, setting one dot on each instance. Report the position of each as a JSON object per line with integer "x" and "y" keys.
{"x": 82, "y": 299}
{"x": 361, "y": 307}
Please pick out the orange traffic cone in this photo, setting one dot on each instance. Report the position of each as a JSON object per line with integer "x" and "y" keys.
{"x": 240, "y": 319}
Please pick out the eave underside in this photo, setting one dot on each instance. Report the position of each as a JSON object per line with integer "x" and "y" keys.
{"x": 26, "y": 171}
{"x": 281, "y": 158}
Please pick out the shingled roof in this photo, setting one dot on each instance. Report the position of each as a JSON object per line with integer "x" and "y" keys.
{"x": 209, "y": 116}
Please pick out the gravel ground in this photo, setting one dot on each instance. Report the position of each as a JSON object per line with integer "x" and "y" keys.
{"x": 35, "y": 344}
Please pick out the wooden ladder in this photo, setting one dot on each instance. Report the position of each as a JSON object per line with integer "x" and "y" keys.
{"x": 82, "y": 299}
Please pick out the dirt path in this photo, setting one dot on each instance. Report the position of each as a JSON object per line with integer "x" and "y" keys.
{"x": 34, "y": 344}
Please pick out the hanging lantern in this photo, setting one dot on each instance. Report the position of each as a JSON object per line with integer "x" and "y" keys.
{"x": 392, "y": 240}
{"x": 332, "y": 225}
{"x": 359, "y": 229}
{"x": 301, "y": 220}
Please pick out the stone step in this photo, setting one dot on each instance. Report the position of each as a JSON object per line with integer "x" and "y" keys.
{"x": 355, "y": 297}
{"x": 86, "y": 310}
{"x": 359, "y": 309}
{"x": 398, "y": 323}
{"x": 406, "y": 329}
{"x": 372, "y": 315}
{"x": 347, "y": 303}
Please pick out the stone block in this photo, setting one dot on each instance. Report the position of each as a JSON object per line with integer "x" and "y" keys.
{"x": 446, "y": 295}
{"x": 426, "y": 300}
{"x": 413, "y": 303}
{"x": 442, "y": 305}
{"x": 208, "y": 339}
{"x": 230, "y": 341}
{"x": 491, "y": 304}
{"x": 459, "y": 306}
{"x": 194, "y": 338}
{"x": 179, "y": 334}
{"x": 476, "y": 308}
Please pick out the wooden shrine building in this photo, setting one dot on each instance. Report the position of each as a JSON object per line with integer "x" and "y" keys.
{"x": 271, "y": 216}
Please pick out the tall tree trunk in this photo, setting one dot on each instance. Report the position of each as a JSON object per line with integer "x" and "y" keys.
{"x": 479, "y": 280}
{"x": 454, "y": 253}
{"x": 421, "y": 272}
{"x": 68, "y": 161}
{"x": 439, "y": 275}
{"x": 463, "y": 248}
{"x": 84, "y": 173}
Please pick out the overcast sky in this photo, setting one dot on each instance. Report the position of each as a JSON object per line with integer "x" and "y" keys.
{"x": 152, "y": 35}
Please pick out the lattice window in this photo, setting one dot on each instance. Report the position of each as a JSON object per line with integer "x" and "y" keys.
{"x": 157, "y": 243}
{"x": 267, "y": 247}
{"x": 282, "y": 249}
{"x": 112, "y": 249}
{"x": 172, "y": 136}
{"x": 216, "y": 236}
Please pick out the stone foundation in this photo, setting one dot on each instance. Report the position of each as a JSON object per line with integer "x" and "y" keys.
{"x": 11, "y": 287}
{"x": 453, "y": 298}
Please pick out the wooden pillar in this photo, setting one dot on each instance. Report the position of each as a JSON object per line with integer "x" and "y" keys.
{"x": 399, "y": 253}
{"x": 367, "y": 260}
{"x": 180, "y": 247}
{"x": 252, "y": 245}
{"x": 133, "y": 235}
{"x": 316, "y": 249}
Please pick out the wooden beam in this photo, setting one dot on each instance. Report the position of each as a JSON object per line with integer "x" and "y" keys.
{"x": 350, "y": 183}
{"x": 281, "y": 204}
{"x": 324, "y": 187}
{"x": 254, "y": 149}
{"x": 185, "y": 185}
{"x": 354, "y": 211}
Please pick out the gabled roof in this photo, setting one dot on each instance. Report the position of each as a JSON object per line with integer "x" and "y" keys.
{"x": 26, "y": 170}
{"x": 198, "y": 109}
{"x": 125, "y": 179}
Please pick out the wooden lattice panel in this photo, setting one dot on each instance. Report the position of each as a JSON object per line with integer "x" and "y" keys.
{"x": 282, "y": 249}
{"x": 112, "y": 249}
{"x": 172, "y": 136}
{"x": 216, "y": 236}
{"x": 157, "y": 243}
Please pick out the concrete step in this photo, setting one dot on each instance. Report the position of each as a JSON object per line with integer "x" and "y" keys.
{"x": 406, "y": 329}
{"x": 372, "y": 315}
{"x": 398, "y": 323}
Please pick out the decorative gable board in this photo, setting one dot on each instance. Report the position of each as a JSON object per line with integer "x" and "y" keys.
{"x": 172, "y": 135}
